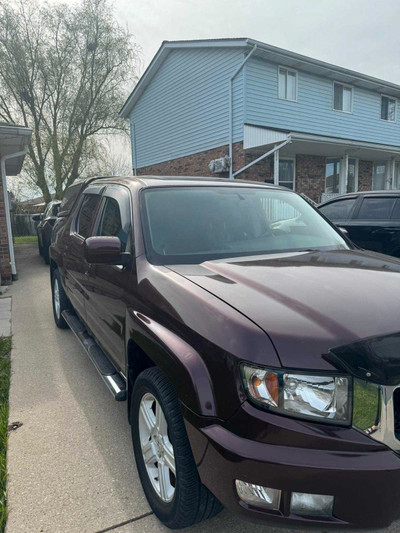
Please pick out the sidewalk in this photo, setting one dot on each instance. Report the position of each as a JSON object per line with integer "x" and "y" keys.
{"x": 5, "y": 316}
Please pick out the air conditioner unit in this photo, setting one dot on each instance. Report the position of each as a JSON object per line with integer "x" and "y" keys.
{"x": 218, "y": 166}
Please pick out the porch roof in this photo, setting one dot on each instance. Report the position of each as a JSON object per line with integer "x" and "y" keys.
{"x": 259, "y": 140}
{"x": 13, "y": 139}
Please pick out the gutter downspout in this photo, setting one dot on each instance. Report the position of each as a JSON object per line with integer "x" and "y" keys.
{"x": 231, "y": 175}
{"x": 134, "y": 149}
{"x": 7, "y": 208}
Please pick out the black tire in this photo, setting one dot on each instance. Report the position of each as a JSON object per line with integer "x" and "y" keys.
{"x": 63, "y": 300}
{"x": 39, "y": 246}
{"x": 192, "y": 501}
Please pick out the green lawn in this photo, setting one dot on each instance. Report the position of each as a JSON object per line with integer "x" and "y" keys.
{"x": 365, "y": 404}
{"x": 5, "y": 364}
{"x": 25, "y": 240}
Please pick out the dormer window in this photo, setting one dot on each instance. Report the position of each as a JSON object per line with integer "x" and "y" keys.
{"x": 287, "y": 84}
{"x": 342, "y": 97}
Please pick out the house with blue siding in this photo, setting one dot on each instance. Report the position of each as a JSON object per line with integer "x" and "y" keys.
{"x": 240, "y": 108}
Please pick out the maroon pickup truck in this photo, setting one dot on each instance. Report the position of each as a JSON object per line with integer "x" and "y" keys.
{"x": 257, "y": 348}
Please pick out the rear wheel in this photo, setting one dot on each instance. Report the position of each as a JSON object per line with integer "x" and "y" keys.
{"x": 163, "y": 455}
{"x": 60, "y": 300}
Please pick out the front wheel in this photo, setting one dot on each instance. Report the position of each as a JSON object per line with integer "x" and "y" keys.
{"x": 60, "y": 300}
{"x": 163, "y": 455}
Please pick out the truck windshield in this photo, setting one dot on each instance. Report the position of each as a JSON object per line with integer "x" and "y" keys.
{"x": 199, "y": 223}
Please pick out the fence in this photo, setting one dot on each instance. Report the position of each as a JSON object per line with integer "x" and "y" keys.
{"x": 23, "y": 225}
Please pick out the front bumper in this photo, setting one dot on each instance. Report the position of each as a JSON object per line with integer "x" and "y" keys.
{"x": 364, "y": 479}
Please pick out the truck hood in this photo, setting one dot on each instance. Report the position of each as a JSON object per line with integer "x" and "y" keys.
{"x": 308, "y": 302}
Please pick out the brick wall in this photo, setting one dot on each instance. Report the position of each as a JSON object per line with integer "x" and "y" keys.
{"x": 5, "y": 268}
{"x": 365, "y": 175}
{"x": 310, "y": 175}
{"x": 195, "y": 164}
{"x": 310, "y": 169}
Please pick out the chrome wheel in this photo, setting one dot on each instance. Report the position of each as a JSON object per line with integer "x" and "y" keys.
{"x": 157, "y": 450}
{"x": 56, "y": 298}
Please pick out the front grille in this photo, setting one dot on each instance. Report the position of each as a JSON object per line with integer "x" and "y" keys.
{"x": 396, "y": 409}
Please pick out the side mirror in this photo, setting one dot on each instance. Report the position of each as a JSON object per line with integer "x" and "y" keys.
{"x": 103, "y": 250}
{"x": 37, "y": 218}
{"x": 344, "y": 231}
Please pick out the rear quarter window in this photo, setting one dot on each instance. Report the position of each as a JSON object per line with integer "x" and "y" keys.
{"x": 68, "y": 199}
{"x": 376, "y": 208}
{"x": 339, "y": 210}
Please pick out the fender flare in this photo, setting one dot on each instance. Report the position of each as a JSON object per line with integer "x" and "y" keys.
{"x": 182, "y": 364}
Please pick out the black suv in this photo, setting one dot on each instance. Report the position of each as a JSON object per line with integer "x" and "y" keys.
{"x": 372, "y": 219}
{"x": 45, "y": 226}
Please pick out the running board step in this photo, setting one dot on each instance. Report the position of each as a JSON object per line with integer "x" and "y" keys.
{"x": 110, "y": 375}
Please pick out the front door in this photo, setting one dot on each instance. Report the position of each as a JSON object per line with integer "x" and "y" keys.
{"x": 109, "y": 285}
{"x": 379, "y": 176}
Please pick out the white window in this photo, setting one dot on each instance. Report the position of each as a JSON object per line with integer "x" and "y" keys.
{"x": 332, "y": 175}
{"x": 352, "y": 176}
{"x": 287, "y": 172}
{"x": 379, "y": 175}
{"x": 342, "y": 97}
{"x": 388, "y": 109}
{"x": 287, "y": 84}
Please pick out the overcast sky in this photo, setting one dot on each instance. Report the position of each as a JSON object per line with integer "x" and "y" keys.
{"x": 363, "y": 35}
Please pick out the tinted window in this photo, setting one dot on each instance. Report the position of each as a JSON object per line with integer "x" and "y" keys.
{"x": 69, "y": 196}
{"x": 396, "y": 210}
{"x": 376, "y": 208}
{"x": 193, "y": 224}
{"x": 111, "y": 224}
{"x": 87, "y": 213}
{"x": 55, "y": 209}
{"x": 339, "y": 210}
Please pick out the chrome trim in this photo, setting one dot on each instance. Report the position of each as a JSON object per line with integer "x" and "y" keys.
{"x": 384, "y": 431}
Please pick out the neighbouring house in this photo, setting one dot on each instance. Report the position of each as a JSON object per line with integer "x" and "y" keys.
{"x": 14, "y": 141}
{"x": 240, "y": 108}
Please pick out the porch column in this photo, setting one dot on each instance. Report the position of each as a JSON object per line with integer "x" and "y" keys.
{"x": 344, "y": 172}
{"x": 390, "y": 174}
{"x": 276, "y": 167}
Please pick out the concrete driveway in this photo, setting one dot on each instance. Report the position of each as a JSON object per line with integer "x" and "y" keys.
{"x": 71, "y": 466}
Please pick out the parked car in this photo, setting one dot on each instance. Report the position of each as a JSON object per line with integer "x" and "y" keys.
{"x": 372, "y": 219}
{"x": 45, "y": 227}
{"x": 257, "y": 348}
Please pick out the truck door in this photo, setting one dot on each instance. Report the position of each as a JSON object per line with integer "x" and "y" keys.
{"x": 75, "y": 266}
{"x": 109, "y": 284}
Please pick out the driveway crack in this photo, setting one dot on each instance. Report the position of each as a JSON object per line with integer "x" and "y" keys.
{"x": 124, "y": 523}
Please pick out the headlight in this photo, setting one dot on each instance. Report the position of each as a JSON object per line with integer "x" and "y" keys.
{"x": 326, "y": 398}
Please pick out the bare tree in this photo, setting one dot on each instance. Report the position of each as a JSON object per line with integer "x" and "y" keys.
{"x": 64, "y": 71}
{"x": 112, "y": 157}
